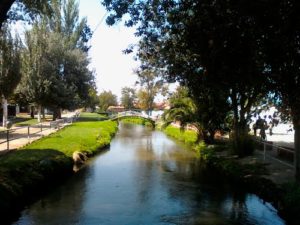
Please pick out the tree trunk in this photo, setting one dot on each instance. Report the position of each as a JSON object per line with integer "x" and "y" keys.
{"x": 5, "y": 113}
{"x": 32, "y": 112}
{"x": 39, "y": 108}
{"x": 56, "y": 113}
{"x": 43, "y": 113}
{"x": 297, "y": 149}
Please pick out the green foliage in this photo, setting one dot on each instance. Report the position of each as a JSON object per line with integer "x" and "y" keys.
{"x": 128, "y": 97}
{"x": 106, "y": 99}
{"x": 55, "y": 60}
{"x": 10, "y": 62}
{"x": 151, "y": 85}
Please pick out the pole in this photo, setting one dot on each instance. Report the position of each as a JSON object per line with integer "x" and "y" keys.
{"x": 28, "y": 133}
{"x": 7, "y": 139}
{"x": 265, "y": 148}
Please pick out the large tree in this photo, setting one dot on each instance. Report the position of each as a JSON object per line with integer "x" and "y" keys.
{"x": 245, "y": 47}
{"x": 280, "y": 26}
{"x": 22, "y": 9}
{"x": 10, "y": 75}
{"x": 206, "y": 45}
{"x": 57, "y": 73}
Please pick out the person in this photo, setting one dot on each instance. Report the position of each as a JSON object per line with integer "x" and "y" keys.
{"x": 254, "y": 129}
{"x": 263, "y": 127}
{"x": 262, "y": 133}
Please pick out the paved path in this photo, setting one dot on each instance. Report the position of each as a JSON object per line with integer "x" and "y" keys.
{"x": 278, "y": 172}
{"x": 18, "y": 136}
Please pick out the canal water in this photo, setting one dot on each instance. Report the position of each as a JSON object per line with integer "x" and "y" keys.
{"x": 147, "y": 178}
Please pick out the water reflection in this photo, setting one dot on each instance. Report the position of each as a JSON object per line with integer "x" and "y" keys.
{"x": 146, "y": 178}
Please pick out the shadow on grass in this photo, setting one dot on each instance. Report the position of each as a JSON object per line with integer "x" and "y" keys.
{"x": 90, "y": 119}
{"x": 28, "y": 174}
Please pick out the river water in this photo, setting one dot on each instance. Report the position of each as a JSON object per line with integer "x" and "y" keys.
{"x": 147, "y": 178}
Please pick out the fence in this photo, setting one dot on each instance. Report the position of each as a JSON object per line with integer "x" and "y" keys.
{"x": 29, "y": 133}
{"x": 283, "y": 155}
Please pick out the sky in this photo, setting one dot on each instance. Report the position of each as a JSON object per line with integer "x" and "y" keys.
{"x": 114, "y": 69}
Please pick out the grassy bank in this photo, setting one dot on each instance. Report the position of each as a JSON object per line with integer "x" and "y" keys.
{"x": 28, "y": 172}
{"x": 249, "y": 176}
{"x": 137, "y": 120}
{"x": 189, "y": 137}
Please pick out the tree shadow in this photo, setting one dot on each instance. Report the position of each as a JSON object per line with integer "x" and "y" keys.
{"x": 28, "y": 174}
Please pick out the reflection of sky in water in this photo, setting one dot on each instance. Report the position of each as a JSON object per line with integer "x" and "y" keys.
{"x": 254, "y": 210}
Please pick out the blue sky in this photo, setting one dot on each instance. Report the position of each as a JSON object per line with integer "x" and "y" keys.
{"x": 114, "y": 69}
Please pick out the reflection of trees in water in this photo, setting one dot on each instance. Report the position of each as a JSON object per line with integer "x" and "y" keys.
{"x": 131, "y": 133}
{"x": 203, "y": 192}
{"x": 145, "y": 170}
{"x": 64, "y": 203}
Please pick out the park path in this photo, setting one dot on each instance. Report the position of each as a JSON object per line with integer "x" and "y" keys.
{"x": 18, "y": 135}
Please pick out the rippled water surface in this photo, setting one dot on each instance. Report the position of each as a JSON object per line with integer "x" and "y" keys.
{"x": 146, "y": 178}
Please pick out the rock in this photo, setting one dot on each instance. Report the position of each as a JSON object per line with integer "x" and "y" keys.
{"x": 79, "y": 157}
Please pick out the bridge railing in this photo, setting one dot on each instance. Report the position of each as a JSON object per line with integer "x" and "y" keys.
{"x": 277, "y": 153}
{"x": 128, "y": 113}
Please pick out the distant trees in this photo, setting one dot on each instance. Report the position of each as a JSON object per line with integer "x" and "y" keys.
{"x": 151, "y": 86}
{"x": 10, "y": 67}
{"x": 106, "y": 99}
{"x": 128, "y": 97}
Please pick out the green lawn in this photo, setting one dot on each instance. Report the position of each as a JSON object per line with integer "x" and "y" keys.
{"x": 81, "y": 136}
{"x": 92, "y": 117}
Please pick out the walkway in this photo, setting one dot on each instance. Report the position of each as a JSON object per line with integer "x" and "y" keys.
{"x": 18, "y": 136}
{"x": 277, "y": 172}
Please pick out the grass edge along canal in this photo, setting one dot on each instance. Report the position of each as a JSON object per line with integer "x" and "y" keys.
{"x": 30, "y": 171}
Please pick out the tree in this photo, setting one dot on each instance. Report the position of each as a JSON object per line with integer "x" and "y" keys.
{"x": 280, "y": 26}
{"x": 185, "y": 110}
{"x": 128, "y": 97}
{"x": 151, "y": 86}
{"x": 35, "y": 84}
{"x": 10, "y": 50}
{"x": 57, "y": 73}
{"x": 23, "y": 9}
{"x": 106, "y": 99}
{"x": 182, "y": 39}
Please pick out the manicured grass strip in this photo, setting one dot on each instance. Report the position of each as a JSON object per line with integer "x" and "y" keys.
{"x": 187, "y": 136}
{"x": 85, "y": 116}
{"x": 81, "y": 136}
{"x": 136, "y": 120}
